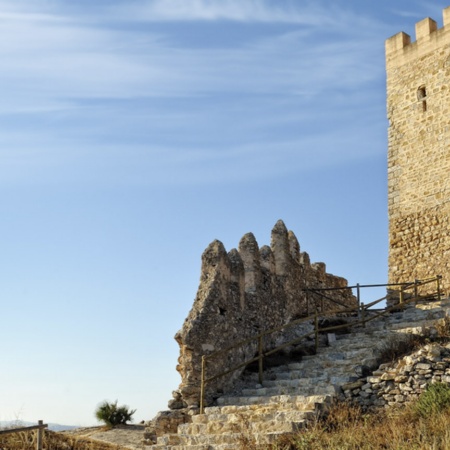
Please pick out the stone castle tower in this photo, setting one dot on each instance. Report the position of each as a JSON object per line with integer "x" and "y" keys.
{"x": 418, "y": 108}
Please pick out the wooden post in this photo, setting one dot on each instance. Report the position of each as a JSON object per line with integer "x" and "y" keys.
{"x": 438, "y": 286}
{"x": 260, "y": 361}
{"x": 363, "y": 315}
{"x": 401, "y": 296}
{"x": 316, "y": 330}
{"x": 202, "y": 386}
{"x": 358, "y": 296}
{"x": 416, "y": 282}
{"x": 40, "y": 433}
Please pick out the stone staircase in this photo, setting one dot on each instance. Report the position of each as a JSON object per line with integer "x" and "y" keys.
{"x": 293, "y": 394}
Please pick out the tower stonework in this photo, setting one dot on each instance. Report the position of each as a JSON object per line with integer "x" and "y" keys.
{"x": 418, "y": 109}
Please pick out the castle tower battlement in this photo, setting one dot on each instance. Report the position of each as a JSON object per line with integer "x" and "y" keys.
{"x": 418, "y": 110}
{"x": 400, "y": 49}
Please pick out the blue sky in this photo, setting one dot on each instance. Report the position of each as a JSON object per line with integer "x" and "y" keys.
{"x": 133, "y": 133}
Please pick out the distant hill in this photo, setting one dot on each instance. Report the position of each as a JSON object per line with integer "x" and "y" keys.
{"x": 21, "y": 423}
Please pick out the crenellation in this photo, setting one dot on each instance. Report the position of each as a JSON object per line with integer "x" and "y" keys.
{"x": 249, "y": 251}
{"x": 401, "y": 50}
{"x": 267, "y": 260}
{"x": 446, "y": 16}
{"x": 397, "y": 42}
{"x": 294, "y": 246}
{"x": 305, "y": 260}
{"x": 237, "y": 277}
{"x": 280, "y": 248}
{"x": 425, "y": 27}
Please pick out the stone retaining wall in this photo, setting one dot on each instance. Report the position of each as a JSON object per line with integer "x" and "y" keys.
{"x": 403, "y": 381}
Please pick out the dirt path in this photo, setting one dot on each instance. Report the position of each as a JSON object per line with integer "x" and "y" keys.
{"x": 129, "y": 436}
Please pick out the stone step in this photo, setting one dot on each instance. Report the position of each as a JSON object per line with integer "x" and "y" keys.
{"x": 190, "y": 447}
{"x": 293, "y": 382}
{"x": 257, "y": 415}
{"x": 215, "y": 441}
{"x": 268, "y": 404}
{"x": 322, "y": 387}
{"x": 277, "y": 401}
{"x": 255, "y": 423}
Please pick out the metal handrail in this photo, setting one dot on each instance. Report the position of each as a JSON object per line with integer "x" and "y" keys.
{"x": 361, "y": 309}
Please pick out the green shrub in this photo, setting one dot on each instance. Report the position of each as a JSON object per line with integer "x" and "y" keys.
{"x": 434, "y": 400}
{"x": 113, "y": 415}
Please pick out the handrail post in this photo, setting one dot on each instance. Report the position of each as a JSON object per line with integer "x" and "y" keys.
{"x": 416, "y": 282}
{"x": 401, "y": 295}
{"x": 316, "y": 330}
{"x": 260, "y": 361}
{"x": 438, "y": 286}
{"x": 363, "y": 315}
{"x": 202, "y": 386}
{"x": 40, "y": 433}
{"x": 358, "y": 296}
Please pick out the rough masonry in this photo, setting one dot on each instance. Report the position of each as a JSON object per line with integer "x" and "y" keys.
{"x": 242, "y": 293}
{"x": 418, "y": 108}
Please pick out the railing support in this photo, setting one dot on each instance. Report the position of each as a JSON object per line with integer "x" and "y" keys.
{"x": 438, "y": 286}
{"x": 202, "y": 386}
{"x": 40, "y": 435}
{"x": 260, "y": 360}
{"x": 316, "y": 330}
{"x": 358, "y": 297}
{"x": 361, "y": 309}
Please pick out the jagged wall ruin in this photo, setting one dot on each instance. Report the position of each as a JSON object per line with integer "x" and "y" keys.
{"x": 242, "y": 293}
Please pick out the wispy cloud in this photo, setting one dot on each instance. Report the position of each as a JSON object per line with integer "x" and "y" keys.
{"x": 78, "y": 84}
{"x": 308, "y": 12}
{"x": 212, "y": 10}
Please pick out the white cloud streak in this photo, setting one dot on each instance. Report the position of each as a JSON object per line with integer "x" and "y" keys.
{"x": 308, "y": 13}
{"x": 56, "y": 63}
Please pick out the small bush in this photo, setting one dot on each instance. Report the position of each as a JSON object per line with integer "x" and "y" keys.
{"x": 443, "y": 329}
{"x": 400, "y": 346}
{"x": 434, "y": 400}
{"x": 113, "y": 415}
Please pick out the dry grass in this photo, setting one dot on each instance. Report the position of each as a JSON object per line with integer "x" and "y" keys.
{"x": 399, "y": 346}
{"x": 51, "y": 441}
{"x": 346, "y": 428}
{"x": 443, "y": 329}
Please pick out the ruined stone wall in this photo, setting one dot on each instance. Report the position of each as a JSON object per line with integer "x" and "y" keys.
{"x": 418, "y": 107}
{"x": 402, "y": 381}
{"x": 242, "y": 293}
